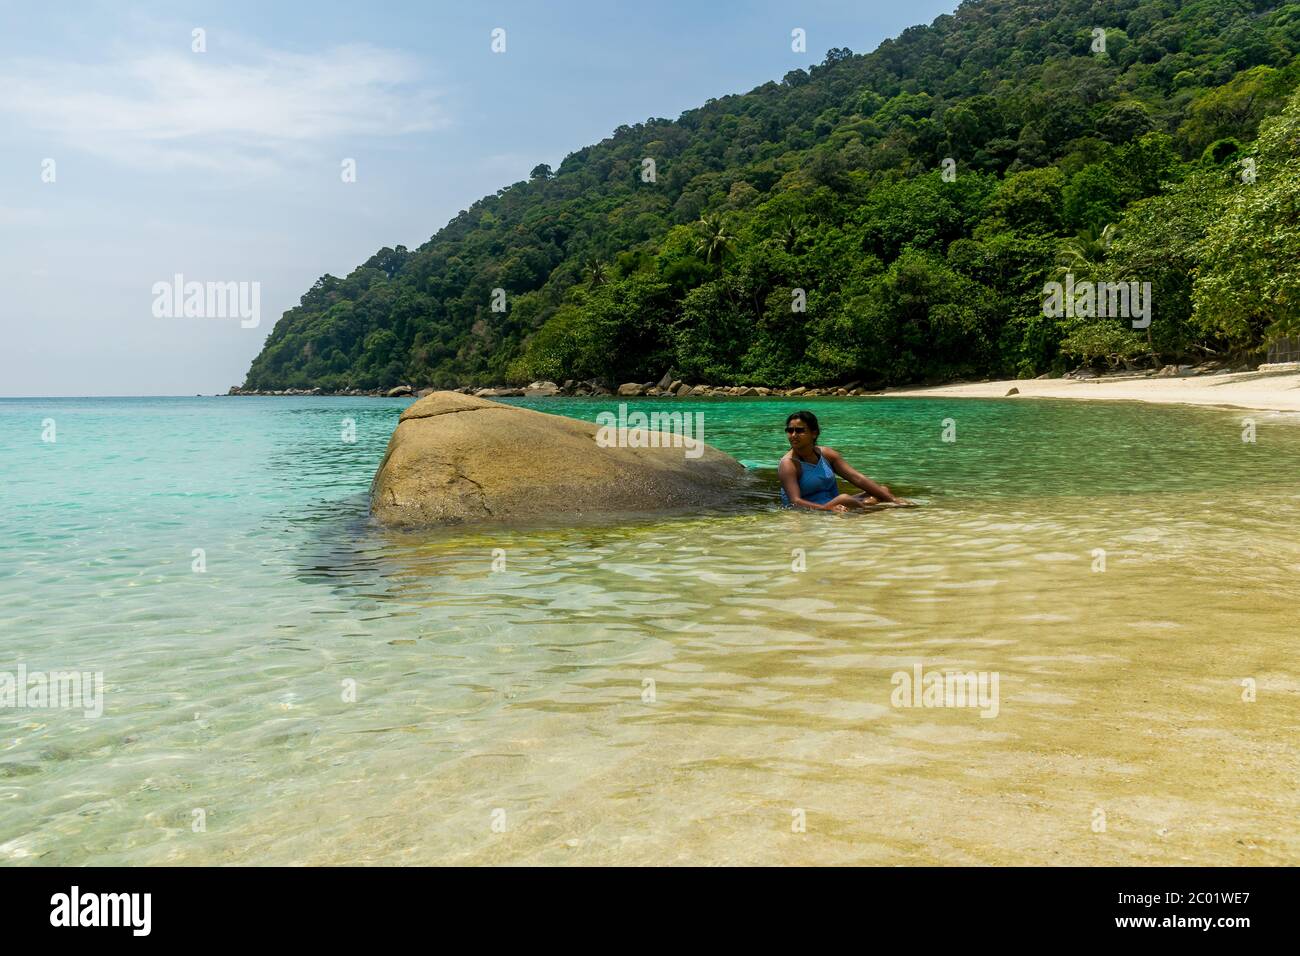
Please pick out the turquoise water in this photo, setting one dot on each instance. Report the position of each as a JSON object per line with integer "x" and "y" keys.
{"x": 227, "y": 690}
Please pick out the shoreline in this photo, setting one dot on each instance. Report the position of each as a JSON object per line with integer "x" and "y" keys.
{"x": 1260, "y": 390}
{"x": 1265, "y": 391}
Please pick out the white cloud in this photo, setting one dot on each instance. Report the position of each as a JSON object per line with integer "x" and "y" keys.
{"x": 164, "y": 111}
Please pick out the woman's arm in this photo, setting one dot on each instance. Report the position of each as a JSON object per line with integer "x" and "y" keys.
{"x": 855, "y": 477}
{"x": 785, "y": 471}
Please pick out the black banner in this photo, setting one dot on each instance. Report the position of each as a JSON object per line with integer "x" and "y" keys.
{"x": 333, "y": 906}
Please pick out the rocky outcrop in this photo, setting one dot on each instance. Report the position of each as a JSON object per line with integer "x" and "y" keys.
{"x": 456, "y": 457}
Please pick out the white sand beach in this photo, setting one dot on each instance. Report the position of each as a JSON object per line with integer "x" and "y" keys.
{"x": 1279, "y": 391}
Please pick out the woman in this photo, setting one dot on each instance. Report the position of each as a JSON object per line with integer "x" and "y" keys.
{"x": 808, "y": 472}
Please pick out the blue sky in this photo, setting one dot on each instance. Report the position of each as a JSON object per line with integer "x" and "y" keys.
{"x": 224, "y": 165}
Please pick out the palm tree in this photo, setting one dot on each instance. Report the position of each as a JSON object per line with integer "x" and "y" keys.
{"x": 596, "y": 272}
{"x": 716, "y": 241}
{"x": 790, "y": 232}
{"x": 1082, "y": 253}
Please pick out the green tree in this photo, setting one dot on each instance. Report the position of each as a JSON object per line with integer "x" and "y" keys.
{"x": 1159, "y": 241}
{"x": 716, "y": 240}
{"x": 1093, "y": 198}
{"x": 1248, "y": 284}
{"x": 1236, "y": 108}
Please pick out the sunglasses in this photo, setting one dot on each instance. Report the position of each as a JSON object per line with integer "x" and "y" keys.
{"x": 797, "y": 431}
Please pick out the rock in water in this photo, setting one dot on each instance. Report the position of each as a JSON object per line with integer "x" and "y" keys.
{"x": 456, "y": 458}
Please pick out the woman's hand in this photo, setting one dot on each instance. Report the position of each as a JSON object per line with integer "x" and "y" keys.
{"x": 845, "y": 502}
{"x": 893, "y": 499}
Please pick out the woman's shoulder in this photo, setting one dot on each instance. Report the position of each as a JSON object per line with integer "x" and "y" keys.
{"x": 826, "y": 451}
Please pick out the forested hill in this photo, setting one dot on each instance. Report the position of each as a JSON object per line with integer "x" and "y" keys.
{"x": 891, "y": 217}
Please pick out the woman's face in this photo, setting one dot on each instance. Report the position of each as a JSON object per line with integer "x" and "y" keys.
{"x": 800, "y": 436}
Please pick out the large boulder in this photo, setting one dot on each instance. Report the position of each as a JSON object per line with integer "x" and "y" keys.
{"x": 456, "y": 458}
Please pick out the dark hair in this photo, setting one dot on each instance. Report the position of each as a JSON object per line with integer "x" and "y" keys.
{"x": 808, "y": 418}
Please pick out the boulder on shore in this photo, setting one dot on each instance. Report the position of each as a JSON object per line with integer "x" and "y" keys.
{"x": 399, "y": 391}
{"x": 455, "y": 458}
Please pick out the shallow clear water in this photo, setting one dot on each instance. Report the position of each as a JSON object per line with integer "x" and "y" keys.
{"x": 509, "y": 715}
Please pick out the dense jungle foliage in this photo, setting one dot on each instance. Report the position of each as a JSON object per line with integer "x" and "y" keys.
{"x": 886, "y": 218}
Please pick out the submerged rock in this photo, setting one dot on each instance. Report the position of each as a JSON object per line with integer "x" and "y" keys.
{"x": 456, "y": 458}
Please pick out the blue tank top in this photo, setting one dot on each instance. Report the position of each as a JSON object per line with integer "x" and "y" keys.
{"x": 816, "y": 482}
